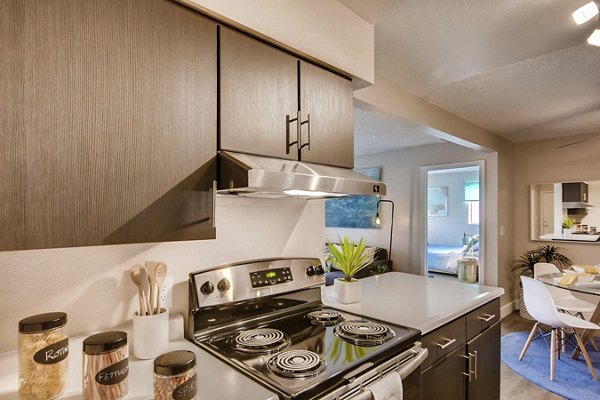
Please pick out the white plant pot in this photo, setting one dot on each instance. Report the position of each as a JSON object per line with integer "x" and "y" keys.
{"x": 567, "y": 231}
{"x": 347, "y": 292}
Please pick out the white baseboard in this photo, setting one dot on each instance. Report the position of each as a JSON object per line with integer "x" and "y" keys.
{"x": 508, "y": 308}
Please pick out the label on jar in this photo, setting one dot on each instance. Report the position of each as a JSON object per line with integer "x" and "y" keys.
{"x": 186, "y": 391}
{"x": 114, "y": 374}
{"x": 54, "y": 353}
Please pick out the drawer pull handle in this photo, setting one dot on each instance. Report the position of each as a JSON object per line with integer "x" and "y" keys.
{"x": 448, "y": 343}
{"x": 487, "y": 317}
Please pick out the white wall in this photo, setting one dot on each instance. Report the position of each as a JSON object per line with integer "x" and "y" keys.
{"x": 401, "y": 171}
{"x": 593, "y": 216}
{"x": 91, "y": 284}
{"x": 449, "y": 230}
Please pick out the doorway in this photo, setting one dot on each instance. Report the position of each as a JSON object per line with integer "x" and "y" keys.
{"x": 547, "y": 212}
{"x": 453, "y": 216}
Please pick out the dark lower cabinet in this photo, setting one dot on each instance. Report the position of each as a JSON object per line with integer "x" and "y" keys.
{"x": 445, "y": 379}
{"x": 484, "y": 350}
{"x": 464, "y": 357}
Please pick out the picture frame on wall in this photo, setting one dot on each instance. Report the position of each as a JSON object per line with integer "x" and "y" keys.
{"x": 437, "y": 201}
{"x": 357, "y": 211}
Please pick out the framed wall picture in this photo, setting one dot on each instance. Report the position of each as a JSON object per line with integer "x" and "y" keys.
{"x": 354, "y": 211}
{"x": 437, "y": 201}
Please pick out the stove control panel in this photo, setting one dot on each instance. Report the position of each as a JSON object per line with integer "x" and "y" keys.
{"x": 270, "y": 277}
{"x": 233, "y": 283}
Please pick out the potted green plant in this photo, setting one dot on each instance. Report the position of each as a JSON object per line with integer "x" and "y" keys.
{"x": 349, "y": 257}
{"x": 567, "y": 225}
{"x": 524, "y": 266}
{"x": 526, "y": 262}
{"x": 551, "y": 254}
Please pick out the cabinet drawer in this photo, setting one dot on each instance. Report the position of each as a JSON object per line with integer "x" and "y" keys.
{"x": 482, "y": 318}
{"x": 444, "y": 340}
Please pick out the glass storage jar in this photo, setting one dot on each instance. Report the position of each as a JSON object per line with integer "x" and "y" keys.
{"x": 105, "y": 366}
{"x": 175, "y": 376}
{"x": 43, "y": 353}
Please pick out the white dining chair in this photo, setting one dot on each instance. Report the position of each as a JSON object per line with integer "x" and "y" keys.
{"x": 540, "y": 305}
{"x": 564, "y": 299}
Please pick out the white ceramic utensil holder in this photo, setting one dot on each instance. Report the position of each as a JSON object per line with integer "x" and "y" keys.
{"x": 150, "y": 334}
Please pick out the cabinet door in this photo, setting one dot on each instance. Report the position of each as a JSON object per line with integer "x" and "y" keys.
{"x": 118, "y": 120}
{"x": 328, "y": 99}
{"x": 12, "y": 148}
{"x": 445, "y": 379}
{"x": 486, "y": 385}
{"x": 258, "y": 88}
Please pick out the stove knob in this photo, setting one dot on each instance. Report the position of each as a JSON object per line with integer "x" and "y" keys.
{"x": 310, "y": 271}
{"x": 224, "y": 285}
{"x": 319, "y": 270}
{"x": 207, "y": 288}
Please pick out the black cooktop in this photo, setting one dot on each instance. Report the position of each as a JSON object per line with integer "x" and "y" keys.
{"x": 327, "y": 354}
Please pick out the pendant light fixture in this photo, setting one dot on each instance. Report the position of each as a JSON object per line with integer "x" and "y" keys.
{"x": 585, "y": 13}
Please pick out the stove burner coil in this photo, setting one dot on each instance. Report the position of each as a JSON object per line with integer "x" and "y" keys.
{"x": 324, "y": 317}
{"x": 296, "y": 364}
{"x": 364, "y": 333}
{"x": 262, "y": 340}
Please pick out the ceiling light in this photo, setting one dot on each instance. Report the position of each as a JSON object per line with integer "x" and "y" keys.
{"x": 586, "y": 12}
{"x": 594, "y": 38}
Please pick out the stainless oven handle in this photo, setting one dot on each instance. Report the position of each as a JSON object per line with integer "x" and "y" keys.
{"x": 413, "y": 364}
{"x": 405, "y": 371}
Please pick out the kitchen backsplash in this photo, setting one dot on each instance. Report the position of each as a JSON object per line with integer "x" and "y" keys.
{"x": 92, "y": 285}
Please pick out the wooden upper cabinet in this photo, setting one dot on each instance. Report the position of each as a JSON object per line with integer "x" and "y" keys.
{"x": 327, "y": 98}
{"x": 258, "y": 88}
{"x": 112, "y": 133}
{"x": 261, "y": 85}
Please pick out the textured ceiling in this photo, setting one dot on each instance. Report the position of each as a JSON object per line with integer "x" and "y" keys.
{"x": 377, "y": 132}
{"x": 519, "y": 68}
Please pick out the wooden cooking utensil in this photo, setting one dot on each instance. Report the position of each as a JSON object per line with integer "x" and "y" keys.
{"x": 154, "y": 291}
{"x": 138, "y": 279}
{"x": 161, "y": 274}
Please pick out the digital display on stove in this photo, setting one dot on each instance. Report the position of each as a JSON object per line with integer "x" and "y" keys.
{"x": 269, "y": 277}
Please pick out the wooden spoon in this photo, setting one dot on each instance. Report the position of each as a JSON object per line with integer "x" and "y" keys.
{"x": 138, "y": 279}
{"x": 154, "y": 292}
{"x": 161, "y": 274}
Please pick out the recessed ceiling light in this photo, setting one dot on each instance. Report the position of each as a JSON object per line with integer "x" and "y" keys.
{"x": 594, "y": 38}
{"x": 586, "y": 12}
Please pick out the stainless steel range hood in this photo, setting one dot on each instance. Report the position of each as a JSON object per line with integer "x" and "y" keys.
{"x": 258, "y": 176}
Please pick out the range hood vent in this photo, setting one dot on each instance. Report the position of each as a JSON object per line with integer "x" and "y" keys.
{"x": 575, "y": 196}
{"x": 265, "y": 177}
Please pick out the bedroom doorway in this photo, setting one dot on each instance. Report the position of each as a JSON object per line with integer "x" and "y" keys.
{"x": 454, "y": 221}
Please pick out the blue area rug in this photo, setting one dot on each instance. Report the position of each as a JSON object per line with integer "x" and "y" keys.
{"x": 573, "y": 378}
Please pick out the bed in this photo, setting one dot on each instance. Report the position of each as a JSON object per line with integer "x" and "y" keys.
{"x": 443, "y": 258}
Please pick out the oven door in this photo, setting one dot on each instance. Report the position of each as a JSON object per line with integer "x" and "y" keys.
{"x": 407, "y": 364}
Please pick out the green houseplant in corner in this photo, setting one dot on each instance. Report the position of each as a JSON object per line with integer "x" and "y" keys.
{"x": 349, "y": 257}
{"x": 525, "y": 264}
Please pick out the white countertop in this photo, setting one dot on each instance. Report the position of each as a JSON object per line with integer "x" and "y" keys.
{"x": 414, "y": 300}
{"x": 216, "y": 380}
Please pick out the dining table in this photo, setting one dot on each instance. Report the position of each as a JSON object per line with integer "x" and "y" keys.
{"x": 592, "y": 288}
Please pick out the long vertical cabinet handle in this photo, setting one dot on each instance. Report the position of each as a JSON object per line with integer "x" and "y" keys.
{"x": 475, "y": 356}
{"x": 468, "y": 357}
{"x": 214, "y": 199}
{"x": 288, "y": 121}
{"x": 307, "y": 122}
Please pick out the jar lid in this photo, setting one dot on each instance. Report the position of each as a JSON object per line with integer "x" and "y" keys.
{"x": 42, "y": 322}
{"x": 105, "y": 341}
{"x": 174, "y": 362}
